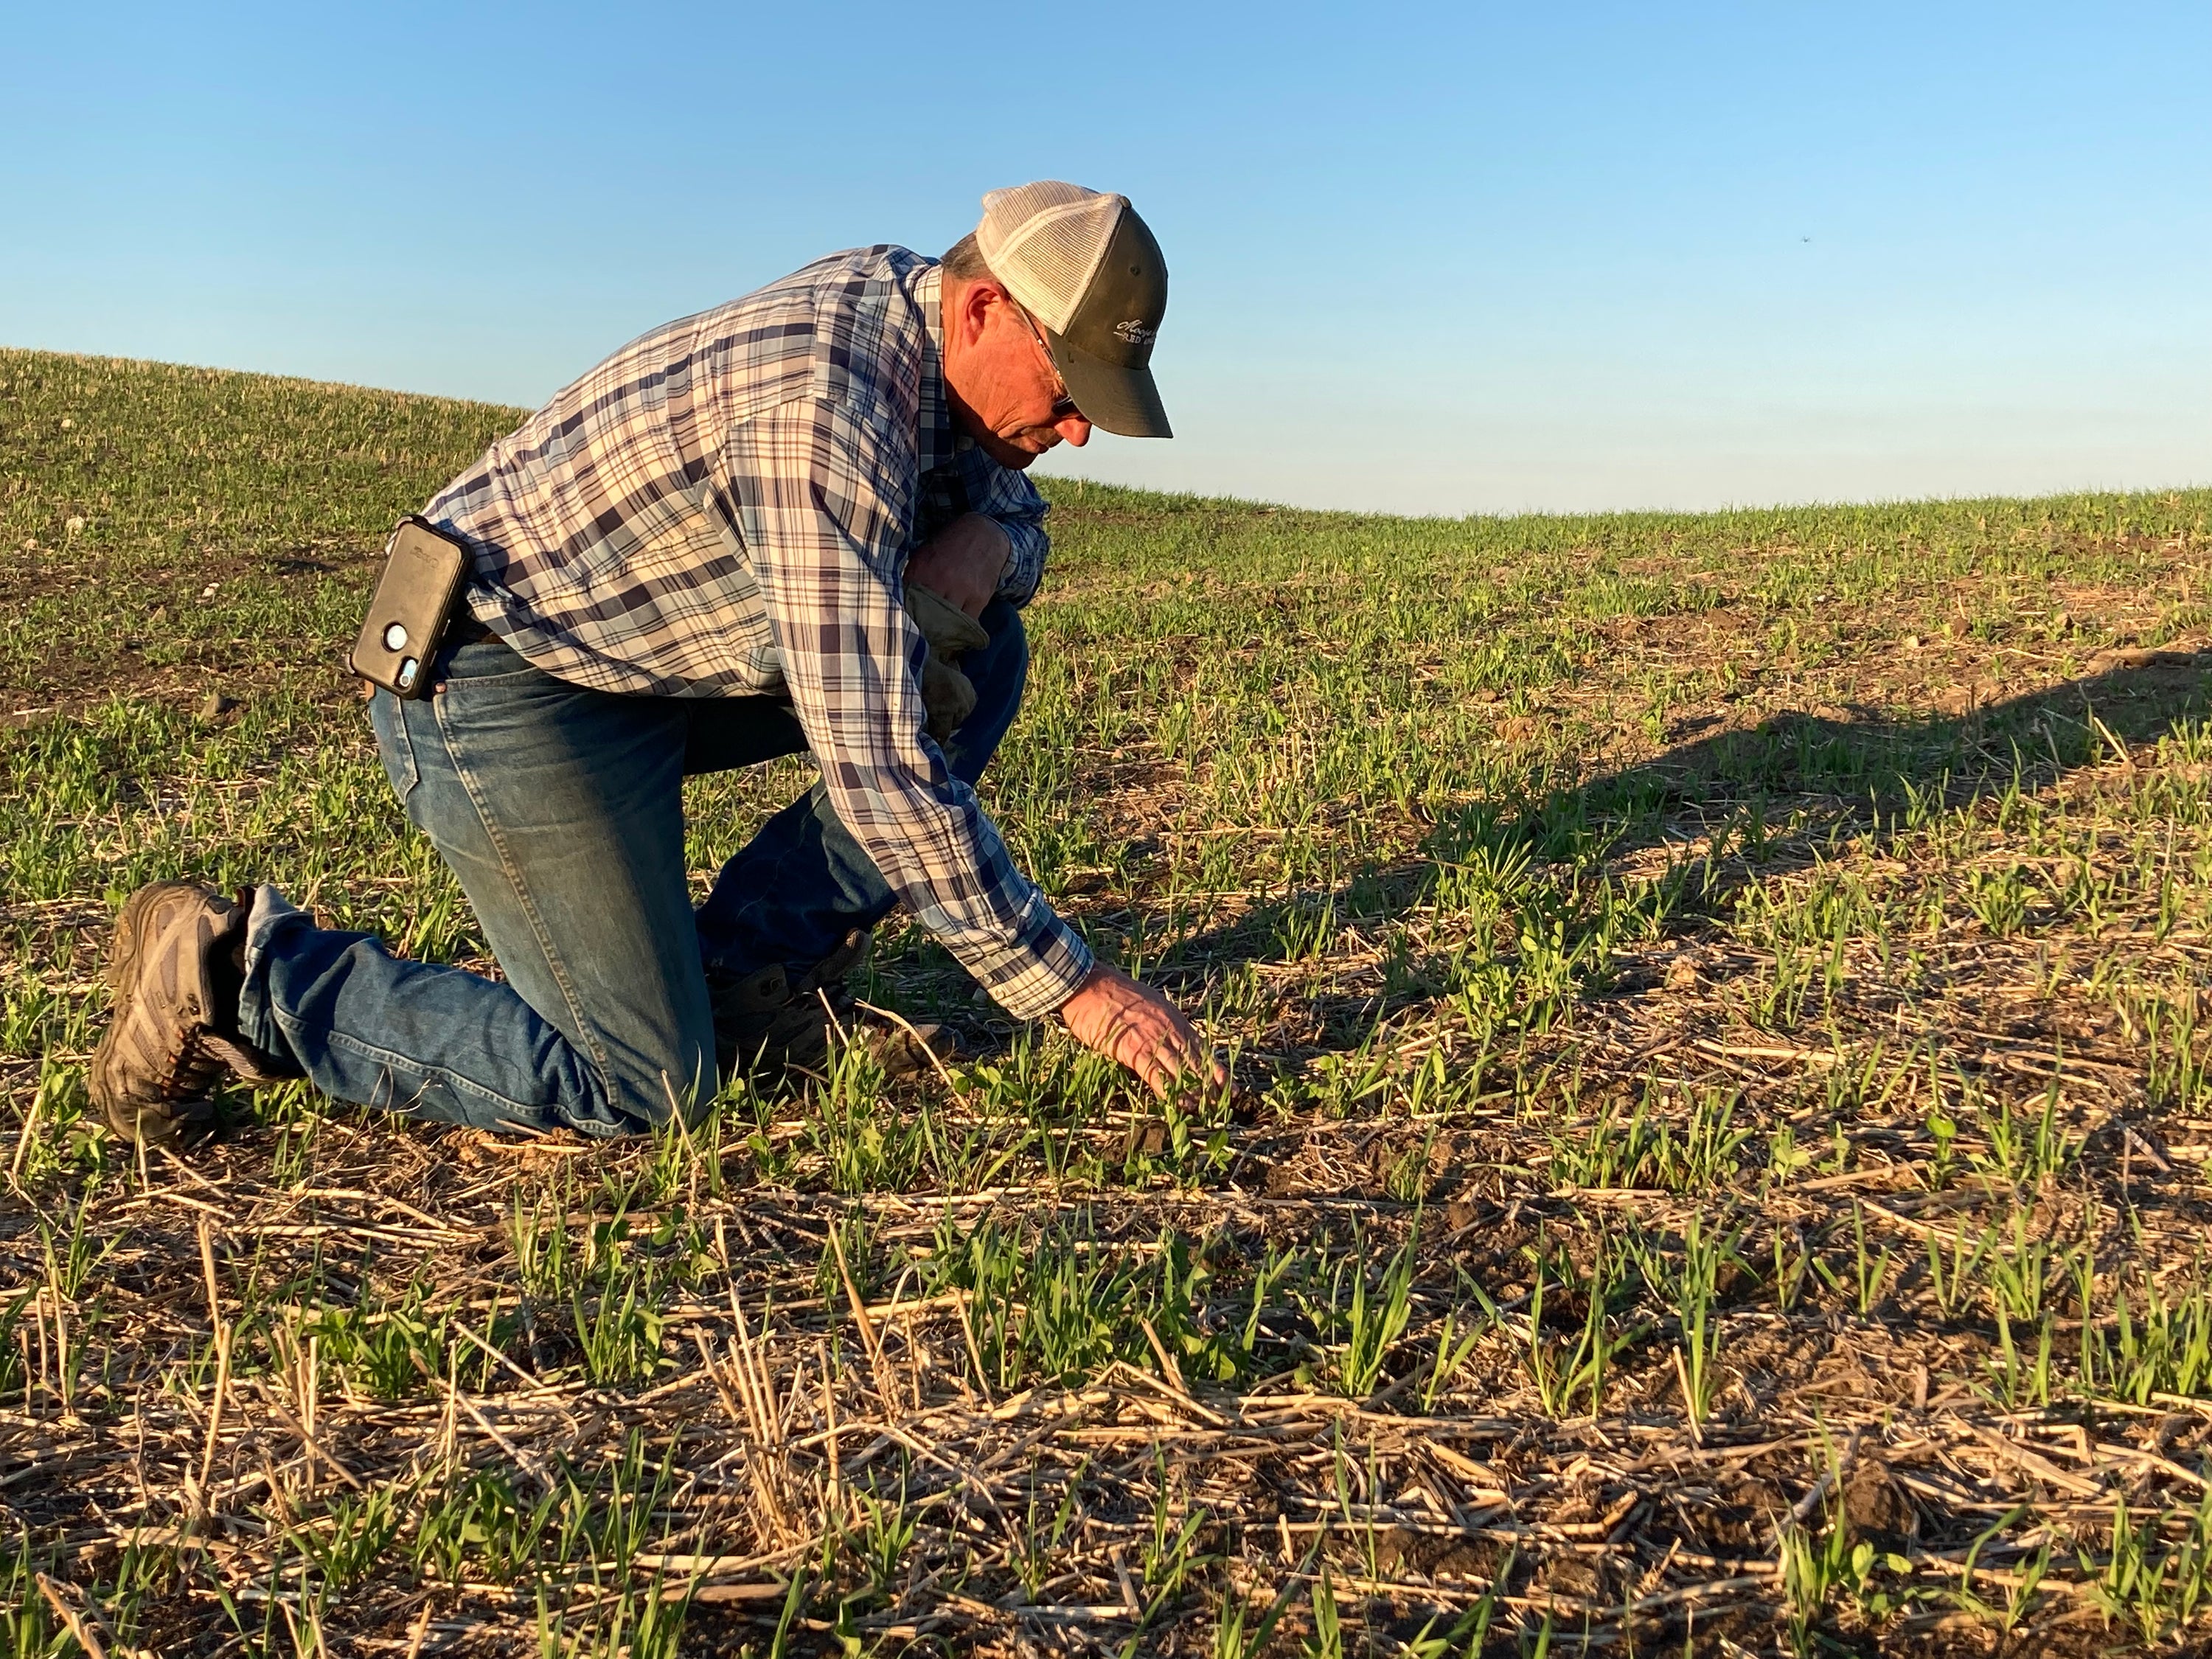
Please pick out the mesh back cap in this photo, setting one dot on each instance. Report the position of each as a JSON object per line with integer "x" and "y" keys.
{"x": 1086, "y": 268}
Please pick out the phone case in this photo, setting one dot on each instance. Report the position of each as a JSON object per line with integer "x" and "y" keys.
{"x": 423, "y": 570}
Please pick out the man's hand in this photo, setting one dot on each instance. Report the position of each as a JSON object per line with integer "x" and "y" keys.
{"x": 1113, "y": 1015}
{"x": 962, "y": 561}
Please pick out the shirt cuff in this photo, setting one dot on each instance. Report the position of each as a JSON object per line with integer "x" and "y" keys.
{"x": 1026, "y": 546}
{"x": 1045, "y": 965}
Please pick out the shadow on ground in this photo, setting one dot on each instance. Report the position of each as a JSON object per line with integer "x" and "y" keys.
{"x": 1771, "y": 792}
{"x": 1877, "y": 763}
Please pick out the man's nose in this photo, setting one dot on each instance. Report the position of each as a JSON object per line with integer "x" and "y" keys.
{"x": 1074, "y": 429}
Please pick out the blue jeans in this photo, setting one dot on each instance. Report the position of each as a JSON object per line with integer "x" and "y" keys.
{"x": 561, "y": 810}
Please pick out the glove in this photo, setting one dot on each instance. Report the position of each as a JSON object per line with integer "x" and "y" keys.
{"x": 952, "y": 633}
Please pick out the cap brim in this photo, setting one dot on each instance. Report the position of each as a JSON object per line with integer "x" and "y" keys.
{"x": 1123, "y": 401}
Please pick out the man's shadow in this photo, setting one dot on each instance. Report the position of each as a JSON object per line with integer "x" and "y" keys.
{"x": 1768, "y": 795}
{"x": 1872, "y": 771}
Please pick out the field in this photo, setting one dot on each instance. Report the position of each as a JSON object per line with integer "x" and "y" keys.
{"x": 1719, "y": 1162}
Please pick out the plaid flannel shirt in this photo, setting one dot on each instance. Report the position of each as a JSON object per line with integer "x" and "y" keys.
{"x": 725, "y": 507}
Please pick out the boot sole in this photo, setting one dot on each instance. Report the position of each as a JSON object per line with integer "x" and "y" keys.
{"x": 125, "y": 1117}
{"x": 122, "y": 958}
{"x": 121, "y": 976}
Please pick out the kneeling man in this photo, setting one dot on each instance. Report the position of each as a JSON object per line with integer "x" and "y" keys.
{"x": 795, "y": 523}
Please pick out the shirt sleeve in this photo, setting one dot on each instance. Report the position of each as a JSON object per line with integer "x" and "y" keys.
{"x": 1009, "y": 500}
{"x": 819, "y": 496}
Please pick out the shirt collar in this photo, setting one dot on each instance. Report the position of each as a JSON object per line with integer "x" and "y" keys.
{"x": 936, "y": 443}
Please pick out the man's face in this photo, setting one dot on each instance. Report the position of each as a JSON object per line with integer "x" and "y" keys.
{"x": 1006, "y": 394}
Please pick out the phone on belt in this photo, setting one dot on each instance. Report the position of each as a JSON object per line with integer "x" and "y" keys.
{"x": 424, "y": 571}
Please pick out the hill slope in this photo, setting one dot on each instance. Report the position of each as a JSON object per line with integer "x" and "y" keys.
{"x": 1743, "y": 968}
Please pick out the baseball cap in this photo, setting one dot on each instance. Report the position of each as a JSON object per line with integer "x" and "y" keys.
{"x": 1085, "y": 266}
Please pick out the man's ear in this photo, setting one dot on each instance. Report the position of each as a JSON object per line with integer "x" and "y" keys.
{"x": 971, "y": 308}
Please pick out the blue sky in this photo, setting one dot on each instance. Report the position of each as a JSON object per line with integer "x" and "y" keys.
{"x": 1431, "y": 258}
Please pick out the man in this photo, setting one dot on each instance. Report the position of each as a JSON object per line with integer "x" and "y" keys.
{"x": 700, "y": 555}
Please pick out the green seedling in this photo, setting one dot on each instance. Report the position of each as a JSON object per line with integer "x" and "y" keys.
{"x": 1564, "y": 1371}
{"x": 2019, "y": 1592}
{"x": 1868, "y": 1273}
{"x": 1374, "y": 1317}
{"x": 1696, "y": 1287}
{"x": 362, "y": 1527}
{"x": 1454, "y": 1347}
{"x": 2148, "y": 1583}
{"x": 1327, "y": 1641}
{"x": 2154, "y": 1342}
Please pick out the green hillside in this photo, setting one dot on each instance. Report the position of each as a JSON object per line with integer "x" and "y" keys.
{"x": 1718, "y": 1149}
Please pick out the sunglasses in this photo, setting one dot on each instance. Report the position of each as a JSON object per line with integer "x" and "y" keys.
{"x": 1063, "y": 406}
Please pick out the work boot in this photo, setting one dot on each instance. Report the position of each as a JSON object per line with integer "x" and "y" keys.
{"x": 175, "y": 969}
{"x": 770, "y": 1021}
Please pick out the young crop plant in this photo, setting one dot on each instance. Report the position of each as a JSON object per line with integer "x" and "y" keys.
{"x": 74, "y": 1251}
{"x": 1955, "y": 1268}
{"x": 1703, "y": 1159}
{"x": 1373, "y": 1316}
{"x": 1038, "y": 1542}
{"x": 617, "y": 1302}
{"x": 2021, "y": 1378}
{"x": 1237, "y": 1634}
{"x": 1187, "y": 1143}
{"x": 1326, "y": 1640}
{"x": 1999, "y": 900}
{"x": 846, "y": 1270}
{"x": 361, "y": 1528}
{"x": 2148, "y": 1583}
{"x": 1566, "y": 1370}
{"x": 885, "y": 1534}
{"x": 1457, "y": 1340}
{"x": 1172, "y": 1555}
{"x": 2021, "y": 1585}
{"x": 1867, "y": 1272}
{"x": 544, "y": 1251}
{"x": 1816, "y": 1564}
{"x": 638, "y": 1621}
{"x": 865, "y": 1146}
{"x": 390, "y": 1348}
{"x": 1785, "y": 1158}
{"x": 1696, "y": 1288}
{"x": 2179, "y": 1060}
{"x": 1065, "y": 1303}
{"x": 1406, "y": 1177}
{"x": 1790, "y": 1261}
{"x": 1943, "y": 1134}
{"x": 688, "y": 1158}
{"x": 2153, "y": 1343}
{"x": 477, "y": 1525}
{"x": 1179, "y": 1315}
{"x": 2023, "y": 1152}
{"x": 1608, "y": 1153}
{"x": 29, "y": 1628}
